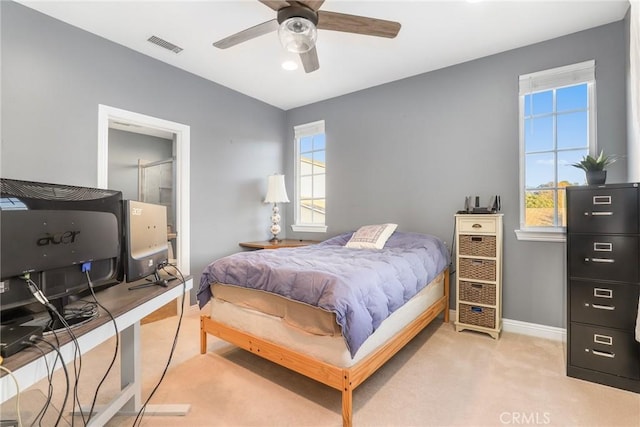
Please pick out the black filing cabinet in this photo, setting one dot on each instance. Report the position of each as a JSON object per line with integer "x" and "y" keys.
{"x": 603, "y": 283}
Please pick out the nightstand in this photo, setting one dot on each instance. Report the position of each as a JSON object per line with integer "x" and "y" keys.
{"x": 479, "y": 273}
{"x": 285, "y": 243}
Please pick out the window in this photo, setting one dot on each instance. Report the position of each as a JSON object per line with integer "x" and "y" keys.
{"x": 557, "y": 128}
{"x": 310, "y": 160}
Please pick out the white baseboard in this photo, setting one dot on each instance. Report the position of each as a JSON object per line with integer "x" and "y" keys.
{"x": 526, "y": 328}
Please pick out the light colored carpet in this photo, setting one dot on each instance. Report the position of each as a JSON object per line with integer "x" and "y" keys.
{"x": 442, "y": 378}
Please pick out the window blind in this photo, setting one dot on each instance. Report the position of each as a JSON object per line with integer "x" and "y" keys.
{"x": 308, "y": 129}
{"x": 557, "y": 77}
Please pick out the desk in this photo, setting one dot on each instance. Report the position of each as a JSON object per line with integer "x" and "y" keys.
{"x": 127, "y": 307}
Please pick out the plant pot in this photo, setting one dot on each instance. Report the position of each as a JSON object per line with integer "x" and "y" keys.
{"x": 596, "y": 177}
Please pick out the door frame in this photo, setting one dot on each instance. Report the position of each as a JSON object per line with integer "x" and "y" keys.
{"x": 182, "y": 148}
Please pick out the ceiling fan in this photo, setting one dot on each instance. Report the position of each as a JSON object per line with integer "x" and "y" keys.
{"x": 297, "y": 23}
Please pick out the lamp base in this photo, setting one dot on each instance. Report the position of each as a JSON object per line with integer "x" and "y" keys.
{"x": 274, "y": 240}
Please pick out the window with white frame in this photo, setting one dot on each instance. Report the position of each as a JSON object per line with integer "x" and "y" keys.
{"x": 557, "y": 128}
{"x": 310, "y": 173}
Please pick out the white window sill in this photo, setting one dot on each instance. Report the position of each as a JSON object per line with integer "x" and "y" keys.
{"x": 542, "y": 235}
{"x": 309, "y": 228}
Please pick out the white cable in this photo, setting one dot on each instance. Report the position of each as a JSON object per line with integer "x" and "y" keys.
{"x": 17, "y": 393}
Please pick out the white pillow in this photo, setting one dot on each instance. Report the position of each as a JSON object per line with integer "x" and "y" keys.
{"x": 371, "y": 236}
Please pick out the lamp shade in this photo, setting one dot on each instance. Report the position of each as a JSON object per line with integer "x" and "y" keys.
{"x": 276, "y": 191}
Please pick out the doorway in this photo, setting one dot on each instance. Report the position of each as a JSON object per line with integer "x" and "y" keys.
{"x": 180, "y": 134}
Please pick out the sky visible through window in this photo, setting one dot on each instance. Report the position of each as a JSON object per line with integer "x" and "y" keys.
{"x": 556, "y": 135}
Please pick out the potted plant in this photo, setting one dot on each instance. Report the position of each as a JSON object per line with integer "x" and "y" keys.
{"x": 594, "y": 167}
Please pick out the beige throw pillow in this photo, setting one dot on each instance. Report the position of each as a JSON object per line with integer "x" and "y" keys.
{"x": 371, "y": 236}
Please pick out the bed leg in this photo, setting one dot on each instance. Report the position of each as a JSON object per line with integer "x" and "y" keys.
{"x": 203, "y": 336}
{"x": 347, "y": 401}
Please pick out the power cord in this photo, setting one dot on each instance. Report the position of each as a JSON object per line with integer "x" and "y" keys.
{"x": 34, "y": 338}
{"x": 452, "y": 270}
{"x": 140, "y": 414}
{"x": 15, "y": 381}
{"x": 115, "y": 353}
{"x": 77, "y": 360}
{"x": 40, "y": 415}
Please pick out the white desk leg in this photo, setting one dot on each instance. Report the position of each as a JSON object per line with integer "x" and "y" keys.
{"x": 130, "y": 365}
{"x": 128, "y": 401}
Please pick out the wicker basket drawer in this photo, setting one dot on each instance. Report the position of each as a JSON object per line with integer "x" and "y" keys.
{"x": 480, "y": 269}
{"x": 481, "y": 293}
{"x": 477, "y": 245}
{"x": 476, "y": 315}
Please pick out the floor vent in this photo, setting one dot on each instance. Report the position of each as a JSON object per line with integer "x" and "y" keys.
{"x": 165, "y": 44}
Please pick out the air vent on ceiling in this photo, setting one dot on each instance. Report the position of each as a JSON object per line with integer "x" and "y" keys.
{"x": 165, "y": 44}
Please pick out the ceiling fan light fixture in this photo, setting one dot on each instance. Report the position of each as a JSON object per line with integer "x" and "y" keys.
{"x": 289, "y": 65}
{"x": 297, "y": 34}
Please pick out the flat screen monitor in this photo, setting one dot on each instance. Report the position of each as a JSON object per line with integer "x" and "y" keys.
{"x": 146, "y": 244}
{"x": 50, "y": 233}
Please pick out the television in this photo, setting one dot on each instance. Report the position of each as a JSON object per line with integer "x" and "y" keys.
{"x": 146, "y": 247}
{"x": 52, "y": 232}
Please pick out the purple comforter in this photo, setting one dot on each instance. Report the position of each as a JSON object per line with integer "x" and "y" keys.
{"x": 362, "y": 286}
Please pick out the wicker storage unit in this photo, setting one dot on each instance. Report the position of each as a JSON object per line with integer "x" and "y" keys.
{"x": 477, "y": 315}
{"x": 478, "y": 269}
{"x": 481, "y": 293}
{"x": 479, "y": 273}
{"x": 477, "y": 245}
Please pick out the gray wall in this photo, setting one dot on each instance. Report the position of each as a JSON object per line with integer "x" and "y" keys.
{"x": 411, "y": 150}
{"x": 633, "y": 99}
{"x": 125, "y": 148}
{"x": 55, "y": 75}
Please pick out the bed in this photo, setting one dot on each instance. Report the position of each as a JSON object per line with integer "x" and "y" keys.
{"x": 335, "y": 311}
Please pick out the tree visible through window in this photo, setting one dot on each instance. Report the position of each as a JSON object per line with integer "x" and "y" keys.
{"x": 556, "y": 130}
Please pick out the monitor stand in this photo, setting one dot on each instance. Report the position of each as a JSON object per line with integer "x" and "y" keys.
{"x": 156, "y": 280}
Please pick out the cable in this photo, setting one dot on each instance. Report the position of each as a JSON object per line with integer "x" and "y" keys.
{"x": 453, "y": 245}
{"x": 66, "y": 373}
{"x": 115, "y": 353}
{"x": 15, "y": 381}
{"x": 77, "y": 360}
{"x": 140, "y": 414}
{"x": 40, "y": 415}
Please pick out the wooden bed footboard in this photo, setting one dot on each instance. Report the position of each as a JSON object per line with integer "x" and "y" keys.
{"x": 343, "y": 379}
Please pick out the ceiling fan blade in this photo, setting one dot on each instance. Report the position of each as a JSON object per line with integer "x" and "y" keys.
{"x": 357, "y": 24}
{"x": 275, "y": 4}
{"x": 248, "y": 34}
{"x": 310, "y": 60}
{"x": 312, "y": 4}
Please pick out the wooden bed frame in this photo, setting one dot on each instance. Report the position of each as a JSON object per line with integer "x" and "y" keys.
{"x": 344, "y": 379}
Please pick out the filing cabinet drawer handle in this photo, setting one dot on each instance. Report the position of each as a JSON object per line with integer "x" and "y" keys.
{"x": 604, "y": 307}
{"x": 602, "y": 339}
{"x": 602, "y": 293}
{"x": 601, "y": 200}
{"x": 603, "y": 354}
{"x": 602, "y": 247}
{"x": 601, "y": 260}
{"x": 601, "y": 213}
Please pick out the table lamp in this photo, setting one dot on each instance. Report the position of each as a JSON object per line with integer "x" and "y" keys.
{"x": 276, "y": 193}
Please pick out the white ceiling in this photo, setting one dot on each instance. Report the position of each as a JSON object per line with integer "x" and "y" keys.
{"x": 434, "y": 34}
